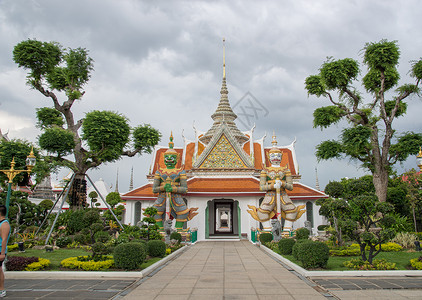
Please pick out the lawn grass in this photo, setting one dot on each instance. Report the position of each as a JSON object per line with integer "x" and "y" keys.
{"x": 335, "y": 263}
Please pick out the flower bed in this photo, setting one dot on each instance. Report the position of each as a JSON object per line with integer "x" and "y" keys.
{"x": 90, "y": 265}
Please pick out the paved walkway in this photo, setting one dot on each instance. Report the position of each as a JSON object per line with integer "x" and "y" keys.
{"x": 224, "y": 270}
{"x": 211, "y": 270}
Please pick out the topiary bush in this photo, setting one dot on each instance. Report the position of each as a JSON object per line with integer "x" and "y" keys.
{"x": 265, "y": 237}
{"x": 296, "y": 247}
{"x": 156, "y": 248}
{"x": 98, "y": 250}
{"x": 313, "y": 254}
{"x": 176, "y": 236}
{"x": 286, "y": 246}
{"x": 302, "y": 233}
{"x": 129, "y": 256}
{"x": 63, "y": 241}
{"x": 80, "y": 238}
{"x": 101, "y": 237}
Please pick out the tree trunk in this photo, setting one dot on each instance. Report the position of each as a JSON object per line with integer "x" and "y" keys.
{"x": 380, "y": 180}
{"x": 77, "y": 193}
{"x": 414, "y": 218}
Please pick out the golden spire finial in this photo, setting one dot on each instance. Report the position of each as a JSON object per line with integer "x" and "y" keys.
{"x": 224, "y": 58}
{"x": 420, "y": 152}
{"x": 274, "y": 141}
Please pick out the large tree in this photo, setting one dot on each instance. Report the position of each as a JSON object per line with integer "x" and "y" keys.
{"x": 370, "y": 137}
{"x": 99, "y": 137}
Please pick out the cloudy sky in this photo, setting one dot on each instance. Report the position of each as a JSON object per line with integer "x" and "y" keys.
{"x": 160, "y": 62}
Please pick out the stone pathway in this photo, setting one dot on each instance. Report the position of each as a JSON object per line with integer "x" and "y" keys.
{"x": 224, "y": 270}
{"x": 55, "y": 289}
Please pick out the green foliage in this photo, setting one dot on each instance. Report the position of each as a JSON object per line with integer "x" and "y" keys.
{"x": 265, "y": 237}
{"x": 63, "y": 241}
{"x": 84, "y": 263}
{"x": 19, "y": 150}
{"x": 57, "y": 140}
{"x": 370, "y": 138}
{"x": 302, "y": 233}
{"x": 149, "y": 228}
{"x": 113, "y": 199}
{"x": 405, "y": 239}
{"x": 355, "y": 141}
{"x": 39, "y": 57}
{"x": 145, "y": 138}
{"x": 381, "y": 55}
{"x": 416, "y": 263}
{"x": 417, "y": 69}
{"x": 96, "y": 227}
{"x": 334, "y": 189}
{"x": 129, "y": 256}
{"x": 315, "y": 86}
{"x": 401, "y": 109}
{"x": 311, "y": 254}
{"x": 327, "y": 115}
{"x": 49, "y": 117}
{"x": 372, "y": 80}
{"x": 328, "y": 150}
{"x": 98, "y": 250}
{"x": 322, "y": 227}
{"x": 350, "y": 251}
{"x": 340, "y": 73}
{"x": 176, "y": 236}
{"x": 285, "y": 246}
{"x": 156, "y": 248}
{"x": 106, "y": 133}
{"x": 377, "y": 264}
{"x": 101, "y": 237}
{"x": 80, "y": 238}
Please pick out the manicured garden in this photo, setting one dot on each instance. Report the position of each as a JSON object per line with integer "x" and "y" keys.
{"x": 87, "y": 239}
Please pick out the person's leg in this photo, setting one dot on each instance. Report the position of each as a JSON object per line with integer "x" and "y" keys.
{"x": 1, "y": 276}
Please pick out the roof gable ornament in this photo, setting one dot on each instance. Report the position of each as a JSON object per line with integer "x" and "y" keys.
{"x": 223, "y": 152}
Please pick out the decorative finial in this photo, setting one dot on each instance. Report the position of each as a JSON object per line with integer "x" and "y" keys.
{"x": 224, "y": 58}
{"x": 171, "y": 144}
{"x": 274, "y": 141}
{"x": 420, "y": 152}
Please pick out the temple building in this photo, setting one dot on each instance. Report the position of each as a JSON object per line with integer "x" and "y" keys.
{"x": 223, "y": 167}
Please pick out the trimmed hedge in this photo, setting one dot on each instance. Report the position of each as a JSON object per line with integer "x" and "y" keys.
{"x": 302, "y": 233}
{"x": 286, "y": 246}
{"x": 129, "y": 256}
{"x": 312, "y": 254}
{"x": 265, "y": 237}
{"x": 101, "y": 237}
{"x": 156, "y": 248}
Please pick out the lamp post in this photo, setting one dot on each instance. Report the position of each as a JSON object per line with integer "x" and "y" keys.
{"x": 419, "y": 159}
{"x": 11, "y": 173}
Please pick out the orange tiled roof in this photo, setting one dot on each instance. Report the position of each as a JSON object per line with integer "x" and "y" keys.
{"x": 225, "y": 186}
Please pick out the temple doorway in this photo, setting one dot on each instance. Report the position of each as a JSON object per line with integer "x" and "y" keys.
{"x": 223, "y": 217}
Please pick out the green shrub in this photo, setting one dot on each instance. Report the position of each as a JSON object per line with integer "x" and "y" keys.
{"x": 63, "y": 241}
{"x": 91, "y": 216}
{"x": 99, "y": 249}
{"x": 311, "y": 254}
{"x": 101, "y": 236}
{"x": 129, "y": 256}
{"x": 156, "y": 248}
{"x": 377, "y": 264}
{"x": 297, "y": 245}
{"x": 76, "y": 221}
{"x": 350, "y": 251}
{"x": 285, "y": 246}
{"x": 122, "y": 239}
{"x": 80, "y": 238}
{"x": 302, "y": 233}
{"x": 97, "y": 227}
{"x": 176, "y": 236}
{"x": 265, "y": 237}
{"x": 405, "y": 239}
